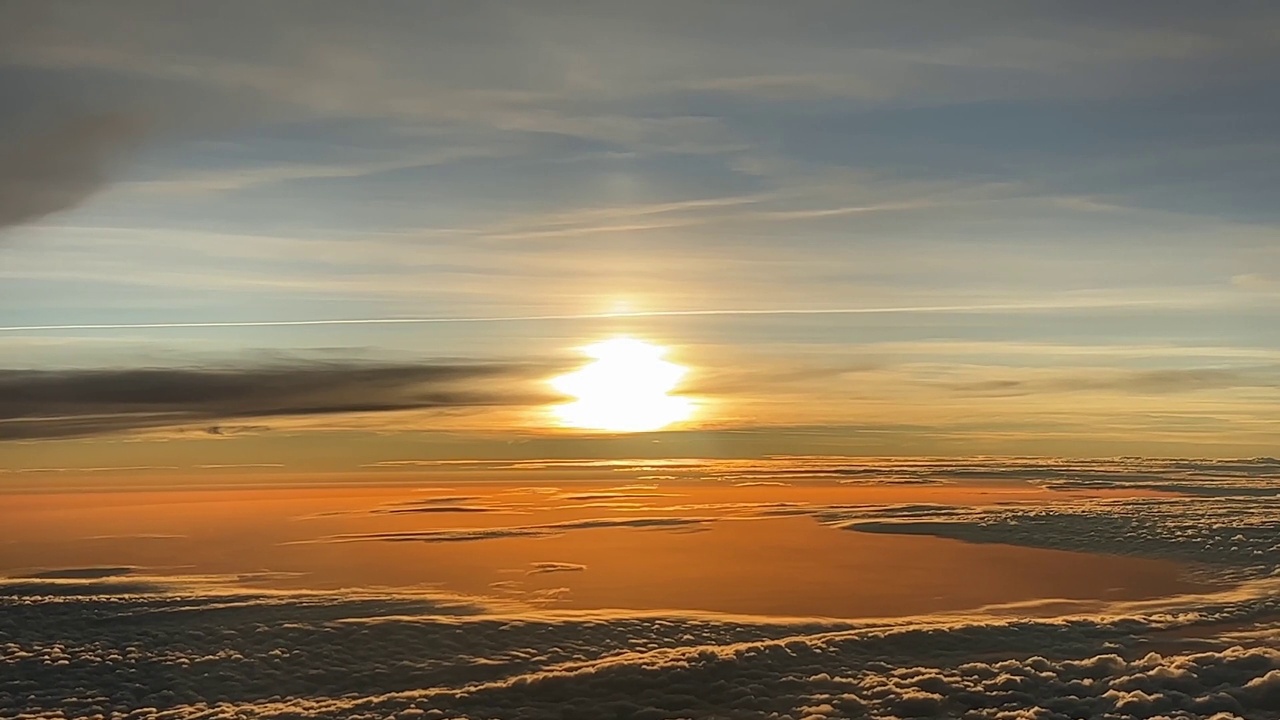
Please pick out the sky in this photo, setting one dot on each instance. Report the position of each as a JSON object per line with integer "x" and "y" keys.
{"x": 717, "y": 359}
{"x": 865, "y": 228}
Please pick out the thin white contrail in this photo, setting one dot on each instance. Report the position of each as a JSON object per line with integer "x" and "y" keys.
{"x": 577, "y": 316}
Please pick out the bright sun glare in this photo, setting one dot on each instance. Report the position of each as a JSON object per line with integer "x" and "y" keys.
{"x": 626, "y": 389}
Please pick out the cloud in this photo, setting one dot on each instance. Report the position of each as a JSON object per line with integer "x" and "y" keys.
{"x": 616, "y": 495}
{"x": 439, "y": 499}
{"x": 438, "y": 510}
{"x": 108, "y": 469}
{"x": 220, "y": 651}
{"x": 527, "y": 531}
{"x": 1193, "y": 476}
{"x": 239, "y": 466}
{"x": 60, "y": 168}
{"x": 447, "y": 504}
{"x": 77, "y": 588}
{"x": 542, "y": 568}
{"x": 1256, "y": 281}
{"x": 1258, "y": 476}
{"x": 36, "y": 404}
{"x": 86, "y": 573}
{"x": 1223, "y": 539}
{"x": 76, "y": 640}
{"x": 1142, "y": 382}
{"x": 138, "y": 536}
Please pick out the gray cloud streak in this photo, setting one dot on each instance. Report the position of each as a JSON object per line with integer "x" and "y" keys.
{"x": 37, "y": 404}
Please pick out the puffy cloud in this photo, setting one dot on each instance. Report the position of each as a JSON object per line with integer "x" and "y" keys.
{"x": 1222, "y": 537}
{"x": 199, "y": 651}
{"x": 80, "y": 641}
{"x": 204, "y": 646}
{"x": 38, "y": 404}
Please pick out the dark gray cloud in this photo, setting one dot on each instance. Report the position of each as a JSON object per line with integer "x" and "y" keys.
{"x": 85, "y": 573}
{"x": 57, "y": 169}
{"x": 38, "y": 404}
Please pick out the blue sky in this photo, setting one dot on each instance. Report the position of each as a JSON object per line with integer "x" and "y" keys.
{"x": 1095, "y": 181}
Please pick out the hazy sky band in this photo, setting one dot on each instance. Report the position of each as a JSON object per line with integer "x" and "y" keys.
{"x": 1009, "y": 307}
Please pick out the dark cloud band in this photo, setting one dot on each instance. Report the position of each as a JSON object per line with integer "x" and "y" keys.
{"x": 37, "y": 404}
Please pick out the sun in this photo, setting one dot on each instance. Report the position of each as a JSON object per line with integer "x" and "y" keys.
{"x": 627, "y": 388}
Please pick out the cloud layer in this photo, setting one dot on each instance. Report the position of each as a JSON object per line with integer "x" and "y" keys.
{"x": 115, "y": 640}
{"x": 192, "y": 653}
{"x": 1232, "y": 538}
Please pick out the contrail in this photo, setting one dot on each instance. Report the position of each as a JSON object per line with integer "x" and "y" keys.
{"x": 576, "y": 316}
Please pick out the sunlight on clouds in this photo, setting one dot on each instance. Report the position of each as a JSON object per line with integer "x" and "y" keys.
{"x": 626, "y": 389}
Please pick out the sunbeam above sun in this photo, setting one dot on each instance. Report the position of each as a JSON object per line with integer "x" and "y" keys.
{"x": 627, "y": 388}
